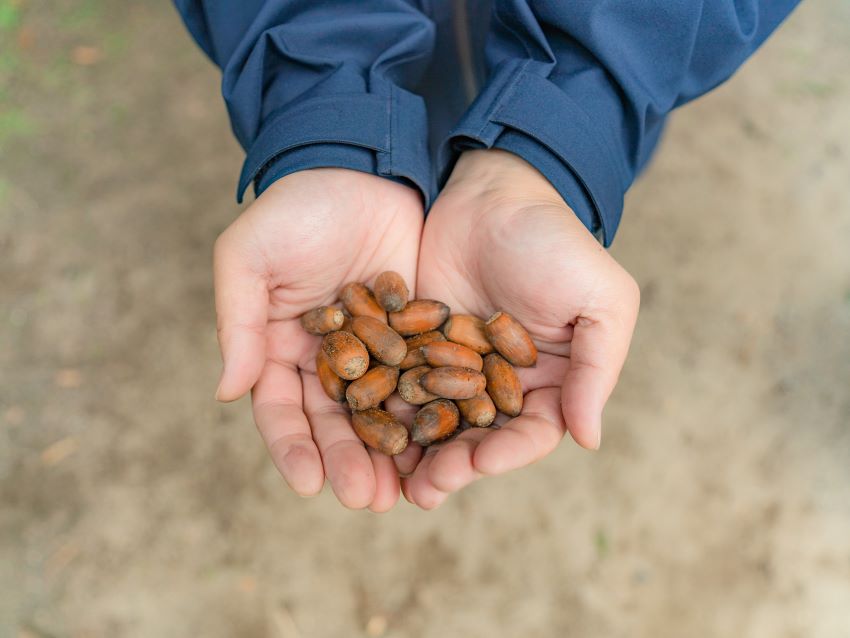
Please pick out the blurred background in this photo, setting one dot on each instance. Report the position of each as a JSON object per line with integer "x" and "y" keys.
{"x": 131, "y": 504}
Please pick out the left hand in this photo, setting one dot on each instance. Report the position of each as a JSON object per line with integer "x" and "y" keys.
{"x": 500, "y": 237}
{"x": 291, "y": 250}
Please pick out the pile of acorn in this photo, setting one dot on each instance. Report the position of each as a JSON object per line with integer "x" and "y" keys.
{"x": 453, "y": 366}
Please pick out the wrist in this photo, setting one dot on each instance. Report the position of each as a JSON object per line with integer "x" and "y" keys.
{"x": 504, "y": 175}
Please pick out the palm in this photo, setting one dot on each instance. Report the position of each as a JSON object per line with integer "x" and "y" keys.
{"x": 304, "y": 238}
{"x": 518, "y": 262}
{"x": 531, "y": 258}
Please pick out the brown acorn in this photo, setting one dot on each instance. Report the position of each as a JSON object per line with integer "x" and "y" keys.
{"x": 511, "y": 340}
{"x": 468, "y": 331}
{"x": 322, "y": 320}
{"x": 414, "y": 344}
{"x": 332, "y": 384}
{"x": 390, "y": 291}
{"x": 503, "y": 384}
{"x": 419, "y": 316}
{"x": 453, "y": 383}
{"x": 434, "y": 421}
{"x": 410, "y": 389}
{"x": 382, "y": 342}
{"x": 478, "y": 411}
{"x": 360, "y": 302}
{"x": 446, "y": 353}
{"x": 381, "y": 430}
{"x": 347, "y": 356}
{"x": 373, "y": 387}
{"x": 346, "y": 322}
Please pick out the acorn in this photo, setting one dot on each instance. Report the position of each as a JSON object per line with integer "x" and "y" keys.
{"x": 503, "y": 384}
{"x": 435, "y": 421}
{"x": 511, "y": 340}
{"x": 372, "y": 388}
{"x": 468, "y": 330}
{"x": 445, "y": 353}
{"x": 390, "y": 291}
{"x": 419, "y": 316}
{"x": 346, "y": 354}
{"x": 410, "y": 388}
{"x": 382, "y": 342}
{"x": 333, "y": 385}
{"x": 479, "y": 411}
{"x": 322, "y": 320}
{"x": 414, "y": 344}
{"x": 381, "y": 430}
{"x": 360, "y": 302}
{"x": 453, "y": 383}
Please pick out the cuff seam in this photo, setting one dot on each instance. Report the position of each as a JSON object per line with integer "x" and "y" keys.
{"x": 520, "y": 98}
{"x": 367, "y": 121}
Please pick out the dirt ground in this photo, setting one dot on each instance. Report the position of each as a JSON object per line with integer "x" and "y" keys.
{"x": 133, "y": 505}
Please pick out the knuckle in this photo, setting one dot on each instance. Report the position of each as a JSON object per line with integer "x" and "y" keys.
{"x": 223, "y": 326}
{"x": 632, "y": 290}
{"x": 221, "y": 244}
{"x": 627, "y": 290}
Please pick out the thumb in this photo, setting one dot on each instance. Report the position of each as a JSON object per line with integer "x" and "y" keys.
{"x": 241, "y": 303}
{"x": 597, "y": 354}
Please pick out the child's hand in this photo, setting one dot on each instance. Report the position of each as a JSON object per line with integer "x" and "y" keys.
{"x": 500, "y": 237}
{"x": 292, "y": 250}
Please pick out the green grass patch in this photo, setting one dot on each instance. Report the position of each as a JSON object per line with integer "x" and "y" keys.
{"x": 83, "y": 15}
{"x": 9, "y": 62}
{"x": 819, "y": 89}
{"x": 115, "y": 44}
{"x": 600, "y": 540}
{"x": 10, "y": 15}
{"x": 15, "y": 123}
{"x": 809, "y": 88}
{"x": 120, "y": 114}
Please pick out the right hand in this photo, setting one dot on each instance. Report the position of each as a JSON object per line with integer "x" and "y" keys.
{"x": 500, "y": 237}
{"x": 292, "y": 250}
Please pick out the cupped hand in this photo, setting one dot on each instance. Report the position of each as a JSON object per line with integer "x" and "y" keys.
{"x": 292, "y": 250}
{"x": 500, "y": 237}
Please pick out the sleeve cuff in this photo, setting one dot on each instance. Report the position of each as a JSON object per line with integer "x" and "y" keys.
{"x": 564, "y": 181}
{"x": 521, "y": 111}
{"x": 384, "y": 135}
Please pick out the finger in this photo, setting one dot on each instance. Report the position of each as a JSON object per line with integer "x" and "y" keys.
{"x": 405, "y": 491}
{"x": 241, "y": 303}
{"x": 559, "y": 341}
{"x": 285, "y": 430}
{"x": 418, "y": 488}
{"x": 407, "y": 460}
{"x": 386, "y": 482}
{"x": 401, "y": 409}
{"x": 348, "y": 466}
{"x": 598, "y": 352}
{"x": 549, "y": 372}
{"x": 452, "y": 468}
{"x": 500, "y": 421}
{"x": 524, "y": 439}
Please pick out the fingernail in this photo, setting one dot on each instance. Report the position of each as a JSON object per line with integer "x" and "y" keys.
{"x": 598, "y": 438}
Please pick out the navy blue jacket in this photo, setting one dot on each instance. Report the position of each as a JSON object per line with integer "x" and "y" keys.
{"x": 579, "y": 88}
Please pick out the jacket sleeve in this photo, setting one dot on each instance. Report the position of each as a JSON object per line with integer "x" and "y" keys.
{"x": 581, "y": 89}
{"x": 320, "y": 84}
